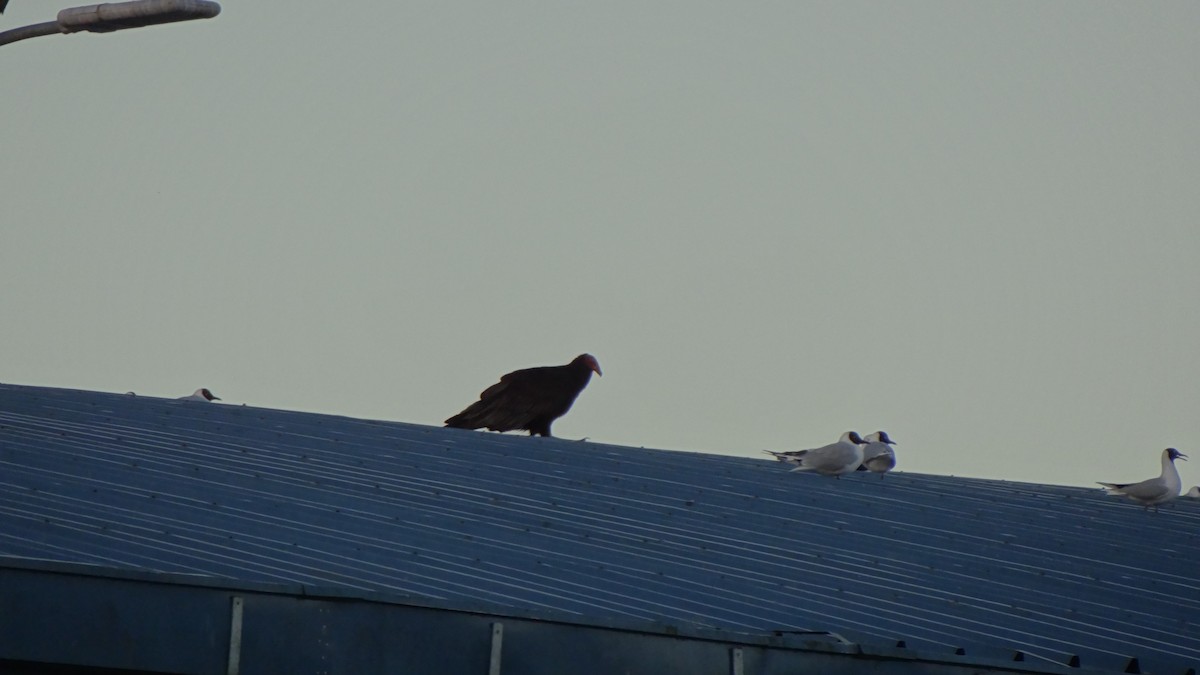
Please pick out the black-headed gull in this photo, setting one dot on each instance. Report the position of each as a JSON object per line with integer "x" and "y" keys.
{"x": 201, "y": 394}
{"x": 878, "y": 456}
{"x": 1153, "y": 491}
{"x": 834, "y": 459}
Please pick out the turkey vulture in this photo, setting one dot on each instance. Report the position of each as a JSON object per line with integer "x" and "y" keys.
{"x": 529, "y": 399}
{"x": 200, "y": 395}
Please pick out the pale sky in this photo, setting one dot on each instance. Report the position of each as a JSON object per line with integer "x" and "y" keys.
{"x": 973, "y": 225}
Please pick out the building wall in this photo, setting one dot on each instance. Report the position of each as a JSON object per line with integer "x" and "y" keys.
{"x": 75, "y": 620}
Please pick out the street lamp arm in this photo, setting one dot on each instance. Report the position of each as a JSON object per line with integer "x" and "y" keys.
{"x": 26, "y": 32}
{"x": 110, "y": 16}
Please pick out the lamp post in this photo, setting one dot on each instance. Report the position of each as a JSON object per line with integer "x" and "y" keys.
{"x": 108, "y": 17}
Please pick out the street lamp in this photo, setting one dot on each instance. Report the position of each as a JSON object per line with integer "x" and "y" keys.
{"x": 108, "y": 17}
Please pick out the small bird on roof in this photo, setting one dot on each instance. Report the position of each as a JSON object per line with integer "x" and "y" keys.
{"x": 1194, "y": 493}
{"x": 1153, "y": 491}
{"x": 834, "y": 459}
{"x": 529, "y": 399}
{"x": 201, "y": 394}
{"x": 878, "y": 456}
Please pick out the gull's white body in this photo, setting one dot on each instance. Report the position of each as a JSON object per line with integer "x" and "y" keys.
{"x": 834, "y": 459}
{"x": 1153, "y": 491}
{"x": 878, "y": 456}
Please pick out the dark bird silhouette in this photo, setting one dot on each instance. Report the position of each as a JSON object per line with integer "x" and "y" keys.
{"x": 200, "y": 395}
{"x": 529, "y": 399}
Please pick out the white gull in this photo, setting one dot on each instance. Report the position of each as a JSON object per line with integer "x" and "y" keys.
{"x": 878, "y": 456}
{"x": 834, "y": 459}
{"x": 1153, "y": 491}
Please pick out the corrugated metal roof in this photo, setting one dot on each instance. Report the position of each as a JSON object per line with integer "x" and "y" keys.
{"x": 596, "y": 530}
